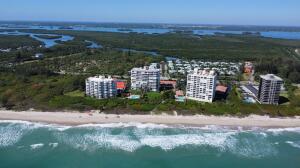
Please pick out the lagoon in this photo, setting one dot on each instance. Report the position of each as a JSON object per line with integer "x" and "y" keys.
{"x": 47, "y": 42}
{"x": 271, "y": 34}
{"x": 93, "y": 44}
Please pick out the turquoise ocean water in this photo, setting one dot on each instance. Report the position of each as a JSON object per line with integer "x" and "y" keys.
{"x": 135, "y": 145}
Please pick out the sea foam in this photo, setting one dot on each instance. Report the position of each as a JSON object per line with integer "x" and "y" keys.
{"x": 34, "y": 125}
{"x": 53, "y": 145}
{"x": 278, "y": 131}
{"x": 36, "y": 146}
{"x": 10, "y": 134}
{"x": 133, "y": 138}
{"x": 92, "y": 142}
{"x": 294, "y": 144}
{"x": 123, "y": 125}
{"x": 130, "y": 137}
{"x": 253, "y": 145}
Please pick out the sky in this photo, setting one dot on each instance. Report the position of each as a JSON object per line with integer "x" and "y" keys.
{"x": 229, "y": 12}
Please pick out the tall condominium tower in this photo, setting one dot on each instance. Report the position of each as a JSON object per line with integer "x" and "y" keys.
{"x": 269, "y": 89}
{"x": 145, "y": 78}
{"x": 201, "y": 85}
{"x": 101, "y": 87}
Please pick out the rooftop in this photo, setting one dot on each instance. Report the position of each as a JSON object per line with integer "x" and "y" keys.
{"x": 221, "y": 88}
{"x": 179, "y": 93}
{"x": 121, "y": 85}
{"x": 146, "y": 68}
{"x": 248, "y": 64}
{"x": 271, "y": 77}
{"x": 166, "y": 82}
{"x": 206, "y": 72}
{"x": 100, "y": 78}
{"x": 252, "y": 89}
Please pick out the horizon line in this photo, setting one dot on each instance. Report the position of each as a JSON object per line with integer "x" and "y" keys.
{"x": 157, "y": 23}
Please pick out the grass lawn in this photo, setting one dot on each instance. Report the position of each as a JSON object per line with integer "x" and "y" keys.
{"x": 297, "y": 92}
{"x": 76, "y": 93}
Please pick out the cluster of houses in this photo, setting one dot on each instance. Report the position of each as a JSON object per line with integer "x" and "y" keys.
{"x": 179, "y": 66}
{"x": 5, "y": 50}
{"x": 27, "y": 48}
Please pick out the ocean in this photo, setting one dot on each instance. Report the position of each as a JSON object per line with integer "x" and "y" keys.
{"x": 135, "y": 145}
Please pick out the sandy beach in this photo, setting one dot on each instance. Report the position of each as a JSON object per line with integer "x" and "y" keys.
{"x": 75, "y": 118}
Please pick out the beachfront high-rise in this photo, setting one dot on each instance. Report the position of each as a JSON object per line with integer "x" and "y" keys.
{"x": 145, "y": 78}
{"x": 201, "y": 85}
{"x": 100, "y": 87}
{"x": 269, "y": 89}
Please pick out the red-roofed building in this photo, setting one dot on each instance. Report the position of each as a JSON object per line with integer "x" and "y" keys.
{"x": 221, "y": 92}
{"x": 168, "y": 84}
{"x": 221, "y": 89}
{"x": 121, "y": 85}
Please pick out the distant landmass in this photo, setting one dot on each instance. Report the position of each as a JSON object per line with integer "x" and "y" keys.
{"x": 125, "y": 29}
{"x": 127, "y": 26}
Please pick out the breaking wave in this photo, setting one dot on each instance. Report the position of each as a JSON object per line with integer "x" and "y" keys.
{"x": 253, "y": 145}
{"x": 130, "y": 137}
{"x": 12, "y": 133}
{"x": 279, "y": 131}
{"x": 53, "y": 145}
{"x": 294, "y": 144}
{"x": 124, "y": 125}
{"x": 36, "y": 146}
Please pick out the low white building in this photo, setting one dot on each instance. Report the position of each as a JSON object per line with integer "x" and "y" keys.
{"x": 39, "y": 55}
{"x": 201, "y": 85}
{"x": 100, "y": 87}
{"x": 145, "y": 78}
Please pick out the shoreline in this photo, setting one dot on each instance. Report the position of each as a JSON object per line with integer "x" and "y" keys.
{"x": 76, "y": 118}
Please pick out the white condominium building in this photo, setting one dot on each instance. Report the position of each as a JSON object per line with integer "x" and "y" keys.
{"x": 269, "y": 89}
{"x": 100, "y": 87}
{"x": 145, "y": 78}
{"x": 201, "y": 85}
